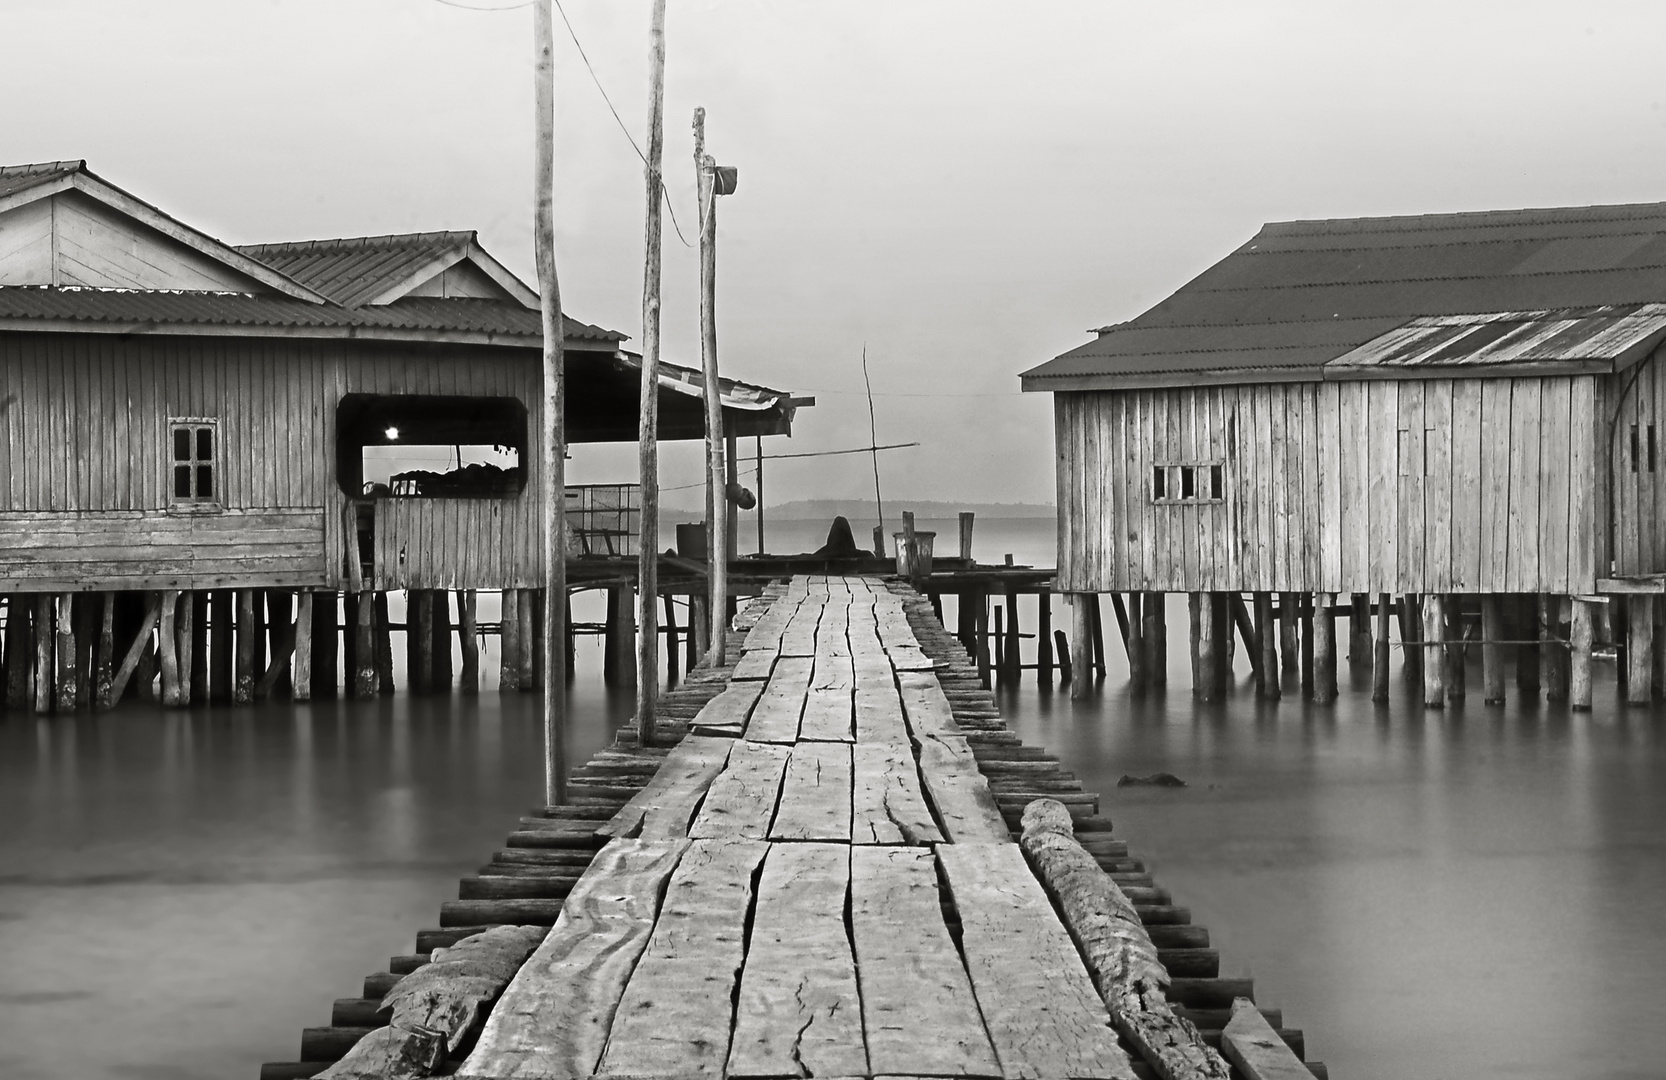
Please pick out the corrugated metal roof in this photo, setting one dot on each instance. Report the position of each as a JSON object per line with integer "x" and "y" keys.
{"x": 1301, "y": 294}
{"x": 15, "y": 178}
{"x": 157, "y": 310}
{"x": 1603, "y": 335}
{"x": 357, "y": 269}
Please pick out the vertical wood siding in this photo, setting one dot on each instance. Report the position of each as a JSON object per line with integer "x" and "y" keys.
{"x": 1464, "y": 485}
{"x": 1639, "y": 494}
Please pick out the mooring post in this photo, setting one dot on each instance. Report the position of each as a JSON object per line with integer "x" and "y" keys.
{"x": 1266, "y": 636}
{"x": 1044, "y": 637}
{"x": 1380, "y": 650}
{"x": 1553, "y": 651}
{"x": 1492, "y": 652}
{"x": 1579, "y": 657}
{"x": 509, "y": 642}
{"x": 1640, "y": 680}
{"x": 1434, "y": 667}
{"x": 468, "y": 642}
{"x": 1324, "y": 644}
{"x": 1080, "y": 631}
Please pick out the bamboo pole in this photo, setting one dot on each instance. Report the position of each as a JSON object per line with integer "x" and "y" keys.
{"x": 647, "y": 642}
{"x": 717, "y": 555}
{"x": 552, "y": 476}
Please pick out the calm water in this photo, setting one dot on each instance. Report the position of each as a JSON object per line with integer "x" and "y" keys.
{"x": 1471, "y": 893}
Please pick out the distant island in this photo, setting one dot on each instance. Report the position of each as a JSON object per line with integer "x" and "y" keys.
{"x": 828, "y": 509}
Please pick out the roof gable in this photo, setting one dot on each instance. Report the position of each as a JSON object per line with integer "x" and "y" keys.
{"x": 62, "y": 225}
{"x": 368, "y": 270}
{"x": 1301, "y": 294}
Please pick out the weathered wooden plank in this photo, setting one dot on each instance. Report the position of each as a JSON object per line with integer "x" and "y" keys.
{"x": 1250, "y": 1043}
{"x": 1413, "y": 464}
{"x": 1522, "y": 568}
{"x": 799, "y": 637}
{"x": 663, "y": 809}
{"x": 1467, "y": 528}
{"x": 727, "y": 713}
{"x": 918, "y": 1011}
{"x": 887, "y": 806}
{"x": 879, "y": 717}
{"x": 1494, "y": 501}
{"x": 925, "y": 705}
{"x": 1437, "y": 486}
{"x": 959, "y": 792}
{"x": 741, "y": 800}
{"x": 815, "y": 794}
{"x": 1555, "y": 435}
{"x": 799, "y": 1011}
{"x": 754, "y": 665}
{"x": 554, "y": 1018}
{"x": 1585, "y": 523}
{"x": 776, "y": 716}
{"x": 1038, "y": 1004}
{"x": 829, "y": 700}
{"x": 677, "y": 1011}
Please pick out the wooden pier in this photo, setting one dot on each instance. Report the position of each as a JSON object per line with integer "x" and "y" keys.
{"x": 817, "y": 877}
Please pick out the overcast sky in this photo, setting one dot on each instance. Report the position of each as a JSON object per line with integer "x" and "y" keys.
{"x": 964, "y": 187}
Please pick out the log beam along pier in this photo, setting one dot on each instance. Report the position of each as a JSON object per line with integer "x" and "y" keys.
{"x": 816, "y": 875}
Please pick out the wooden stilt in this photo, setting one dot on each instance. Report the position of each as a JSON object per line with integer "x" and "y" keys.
{"x": 1640, "y": 677}
{"x": 104, "y": 660}
{"x": 19, "y": 651}
{"x": 1304, "y": 603}
{"x": 1205, "y": 669}
{"x": 258, "y": 632}
{"x": 1080, "y": 632}
{"x": 698, "y": 625}
{"x": 350, "y": 642}
{"x": 1154, "y": 634}
{"x": 1525, "y": 608}
{"x": 1434, "y": 667}
{"x": 1096, "y": 632}
{"x": 1134, "y": 643}
{"x": 136, "y": 652}
{"x": 1266, "y": 633}
{"x": 443, "y": 667}
{"x": 966, "y": 622}
{"x": 1000, "y": 648}
{"x": 1289, "y": 643}
{"x": 1608, "y": 625}
{"x": 1225, "y": 643}
{"x": 1015, "y": 663}
{"x": 981, "y": 637}
{"x": 419, "y": 628}
{"x": 326, "y": 645}
{"x": 364, "y": 646}
{"x": 1360, "y": 651}
{"x": 611, "y": 659}
{"x": 185, "y": 653}
{"x": 1659, "y": 659}
{"x": 509, "y": 642}
{"x": 672, "y": 671}
{"x": 167, "y": 648}
{"x": 199, "y": 647}
{"x": 1061, "y": 646}
{"x": 1380, "y": 652}
{"x": 280, "y": 635}
{"x": 300, "y": 671}
{"x": 44, "y": 640}
{"x": 145, "y": 676}
{"x": 84, "y": 617}
{"x": 64, "y": 652}
{"x": 1492, "y": 654}
{"x": 1579, "y": 657}
{"x": 1044, "y": 637}
{"x": 1324, "y": 647}
{"x": 1457, "y": 675}
{"x": 468, "y": 643}
{"x": 1553, "y": 654}
{"x": 221, "y": 637}
{"x": 381, "y": 642}
{"x": 1411, "y": 637}
{"x": 1246, "y": 632}
{"x": 533, "y": 645}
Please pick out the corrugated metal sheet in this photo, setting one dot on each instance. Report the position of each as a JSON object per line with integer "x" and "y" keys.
{"x": 1600, "y": 336}
{"x": 1301, "y": 294}
{"x": 161, "y": 309}
{"x": 354, "y": 270}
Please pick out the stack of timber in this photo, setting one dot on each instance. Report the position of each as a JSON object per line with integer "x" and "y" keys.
{"x": 818, "y": 878}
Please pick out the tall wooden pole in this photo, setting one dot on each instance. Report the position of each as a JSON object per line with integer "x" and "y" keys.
{"x": 717, "y": 538}
{"x": 552, "y": 476}
{"x": 647, "y": 435}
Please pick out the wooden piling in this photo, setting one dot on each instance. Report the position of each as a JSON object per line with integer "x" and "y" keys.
{"x": 381, "y": 633}
{"x": 419, "y": 640}
{"x": 1324, "y": 647}
{"x": 1000, "y": 649}
{"x": 1044, "y": 637}
{"x": 43, "y": 652}
{"x": 1246, "y": 632}
{"x": 185, "y": 649}
{"x": 1658, "y": 661}
{"x": 1096, "y": 634}
{"x": 1380, "y": 651}
{"x": 280, "y": 637}
{"x": 1288, "y": 643}
{"x": 259, "y": 631}
{"x": 1579, "y": 657}
{"x": 1492, "y": 653}
{"x": 509, "y": 641}
{"x": 1305, "y": 608}
{"x": 221, "y": 637}
{"x": 1457, "y": 675}
{"x": 1411, "y": 638}
{"x": 300, "y": 670}
{"x": 1266, "y": 634}
{"x": 198, "y": 641}
{"x": 1525, "y": 608}
{"x": 443, "y": 669}
{"x": 134, "y": 659}
{"x": 966, "y": 536}
{"x": 1134, "y": 643}
{"x": 1061, "y": 645}
{"x": 1553, "y": 653}
{"x": 1015, "y": 663}
{"x": 1204, "y": 641}
{"x": 1361, "y": 654}
{"x": 84, "y": 617}
{"x": 366, "y": 662}
{"x": 19, "y": 652}
{"x": 1434, "y": 634}
{"x": 1155, "y": 616}
{"x": 981, "y": 637}
{"x": 326, "y": 645}
{"x": 966, "y": 622}
{"x": 623, "y": 636}
{"x": 468, "y": 642}
{"x": 167, "y": 648}
{"x": 1080, "y": 631}
{"x": 104, "y": 659}
{"x": 672, "y": 671}
{"x": 64, "y": 652}
{"x": 1640, "y": 635}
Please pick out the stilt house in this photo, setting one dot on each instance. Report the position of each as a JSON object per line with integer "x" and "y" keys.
{"x": 1455, "y": 404}
{"x": 180, "y": 414}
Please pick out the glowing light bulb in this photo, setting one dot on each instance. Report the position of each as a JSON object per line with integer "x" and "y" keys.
{"x": 392, "y": 433}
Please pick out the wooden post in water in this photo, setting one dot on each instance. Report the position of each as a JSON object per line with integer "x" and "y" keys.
{"x": 1411, "y": 639}
{"x": 647, "y": 430}
{"x": 185, "y": 655}
{"x": 300, "y": 670}
{"x": 671, "y": 668}
{"x": 43, "y": 652}
{"x": 981, "y": 636}
{"x": 1640, "y": 636}
{"x": 1015, "y": 664}
{"x": 64, "y": 653}
{"x": 1553, "y": 654}
{"x": 509, "y": 642}
{"x": 167, "y": 647}
{"x": 1525, "y": 610}
{"x": 468, "y": 641}
{"x": 220, "y": 645}
{"x": 1434, "y": 668}
{"x": 1360, "y": 652}
{"x": 1000, "y": 650}
{"x": 1154, "y": 635}
{"x": 419, "y": 636}
{"x": 1579, "y": 657}
{"x": 1044, "y": 637}
{"x": 381, "y": 643}
{"x": 366, "y": 662}
{"x": 1492, "y": 653}
{"x": 1304, "y": 602}
{"x": 1133, "y": 629}
{"x": 243, "y": 685}
{"x": 19, "y": 652}
{"x": 326, "y": 645}
{"x": 552, "y": 412}
{"x": 699, "y": 630}
{"x": 1289, "y": 643}
{"x": 197, "y": 643}
{"x": 1457, "y": 675}
{"x": 1096, "y": 632}
{"x": 529, "y": 639}
{"x": 1324, "y": 646}
{"x": 1240, "y": 618}
{"x": 1266, "y": 635}
{"x": 1079, "y": 632}
{"x": 443, "y": 670}
{"x": 104, "y": 659}
{"x": 84, "y": 620}
{"x": 1380, "y": 653}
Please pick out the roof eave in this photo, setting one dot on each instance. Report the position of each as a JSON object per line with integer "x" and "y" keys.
{"x": 1032, "y": 383}
{"x": 340, "y": 333}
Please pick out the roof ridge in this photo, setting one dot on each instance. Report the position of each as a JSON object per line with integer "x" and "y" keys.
{"x": 33, "y": 168}
{"x": 1483, "y": 218}
{"x": 455, "y": 236}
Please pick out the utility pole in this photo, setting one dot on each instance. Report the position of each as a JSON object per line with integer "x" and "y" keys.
{"x": 714, "y": 181}
{"x": 647, "y": 435}
{"x": 552, "y": 486}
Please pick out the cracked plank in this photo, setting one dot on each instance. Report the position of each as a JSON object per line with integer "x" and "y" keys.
{"x": 959, "y": 792}
{"x": 678, "y": 1008}
{"x": 815, "y": 794}
{"x": 776, "y": 716}
{"x": 886, "y": 804}
{"x": 799, "y": 637}
{"x": 829, "y": 702}
{"x": 663, "y": 809}
{"x": 727, "y": 713}
{"x": 1038, "y": 1005}
{"x": 879, "y": 709}
{"x": 553, "y": 1019}
{"x": 741, "y": 801}
{"x": 799, "y": 1012}
{"x": 925, "y": 705}
{"x": 917, "y": 1005}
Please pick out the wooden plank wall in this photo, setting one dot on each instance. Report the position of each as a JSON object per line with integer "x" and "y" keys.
{"x": 83, "y": 427}
{"x": 1639, "y": 492}
{"x": 1450, "y": 485}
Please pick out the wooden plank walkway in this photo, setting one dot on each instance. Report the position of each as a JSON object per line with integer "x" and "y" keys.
{"x": 818, "y": 879}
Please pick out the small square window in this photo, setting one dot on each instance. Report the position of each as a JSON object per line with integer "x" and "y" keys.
{"x": 1159, "y": 482}
{"x": 1217, "y": 482}
{"x": 1188, "y": 482}
{"x": 196, "y": 457}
